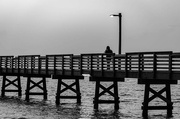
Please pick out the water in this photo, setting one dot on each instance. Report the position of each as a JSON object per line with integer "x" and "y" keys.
{"x": 130, "y": 93}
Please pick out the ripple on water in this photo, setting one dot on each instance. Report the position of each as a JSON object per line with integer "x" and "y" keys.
{"x": 131, "y": 98}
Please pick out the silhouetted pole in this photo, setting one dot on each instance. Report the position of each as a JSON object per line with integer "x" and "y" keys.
{"x": 118, "y": 15}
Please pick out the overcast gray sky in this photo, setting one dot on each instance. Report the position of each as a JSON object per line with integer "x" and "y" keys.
{"x": 84, "y": 26}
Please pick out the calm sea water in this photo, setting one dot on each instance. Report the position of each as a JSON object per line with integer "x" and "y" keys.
{"x": 130, "y": 93}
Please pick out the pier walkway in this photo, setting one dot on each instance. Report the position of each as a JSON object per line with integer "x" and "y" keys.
{"x": 147, "y": 67}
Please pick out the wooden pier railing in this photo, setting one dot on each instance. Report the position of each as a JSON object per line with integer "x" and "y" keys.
{"x": 148, "y": 67}
{"x": 145, "y": 65}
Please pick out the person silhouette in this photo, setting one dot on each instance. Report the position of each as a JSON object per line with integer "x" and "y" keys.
{"x": 108, "y": 50}
{"x": 108, "y": 57}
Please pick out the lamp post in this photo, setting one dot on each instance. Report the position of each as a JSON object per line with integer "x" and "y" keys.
{"x": 118, "y": 15}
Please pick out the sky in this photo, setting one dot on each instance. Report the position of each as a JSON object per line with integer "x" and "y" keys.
{"x": 30, "y": 27}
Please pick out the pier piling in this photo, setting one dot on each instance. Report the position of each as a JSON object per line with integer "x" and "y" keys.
{"x": 74, "y": 87}
{"x": 7, "y": 82}
{"x": 158, "y": 94}
{"x": 107, "y": 90}
{"x": 31, "y": 84}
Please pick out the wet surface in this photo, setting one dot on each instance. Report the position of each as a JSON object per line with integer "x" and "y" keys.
{"x": 130, "y": 93}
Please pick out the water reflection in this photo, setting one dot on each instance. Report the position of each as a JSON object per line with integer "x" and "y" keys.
{"x": 106, "y": 114}
{"x": 130, "y": 93}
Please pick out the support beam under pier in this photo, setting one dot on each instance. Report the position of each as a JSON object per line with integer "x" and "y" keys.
{"x": 74, "y": 87}
{"x": 98, "y": 94}
{"x": 31, "y": 84}
{"x": 9, "y": 81}
{"x": 157, "y": 94}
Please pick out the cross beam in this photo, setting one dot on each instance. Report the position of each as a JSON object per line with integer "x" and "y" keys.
{"x": 157, "y": 94}
{"x": 67, "y": 86}
{"x": 32, "y": 84}
{"x": 11, "y": 82}
{"x": 114, "y": 94}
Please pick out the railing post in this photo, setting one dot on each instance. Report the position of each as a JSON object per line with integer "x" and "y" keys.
{"x": 91, "y": 64}
{"x": 31, "y": 59}
{"x": 62, "y": 65}
{"x": 170, "y": 66}
{"x": 54, "y": 65}
{"x": 1, "y": 65}
{"x": 126, "y": 63}
{"x": 81, "y": 64}
{"x": 24, "y": 64}
{"x": 114, "y": 70}
{"x": 154, "y": 65}
{"x": 39, "y": 65}
{"x": 71, "y": 65}
{"x": 139, "y": 64}
{"x": 47, "y": 61}
{"x": 6, "y": 58}
{"x": 102, "y": 65}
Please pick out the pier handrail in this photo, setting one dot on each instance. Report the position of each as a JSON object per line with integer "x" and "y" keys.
{"x": 59, "y": 62}
{"x": 6, "y": 62}
{"x": 151, "y": 62}
{"x": 97, "y": 62}
{"x": 28, "y": 64}
{"x": 146, "y": 65}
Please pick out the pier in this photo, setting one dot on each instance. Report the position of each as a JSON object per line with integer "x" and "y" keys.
{"x": 149, "y": 68}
